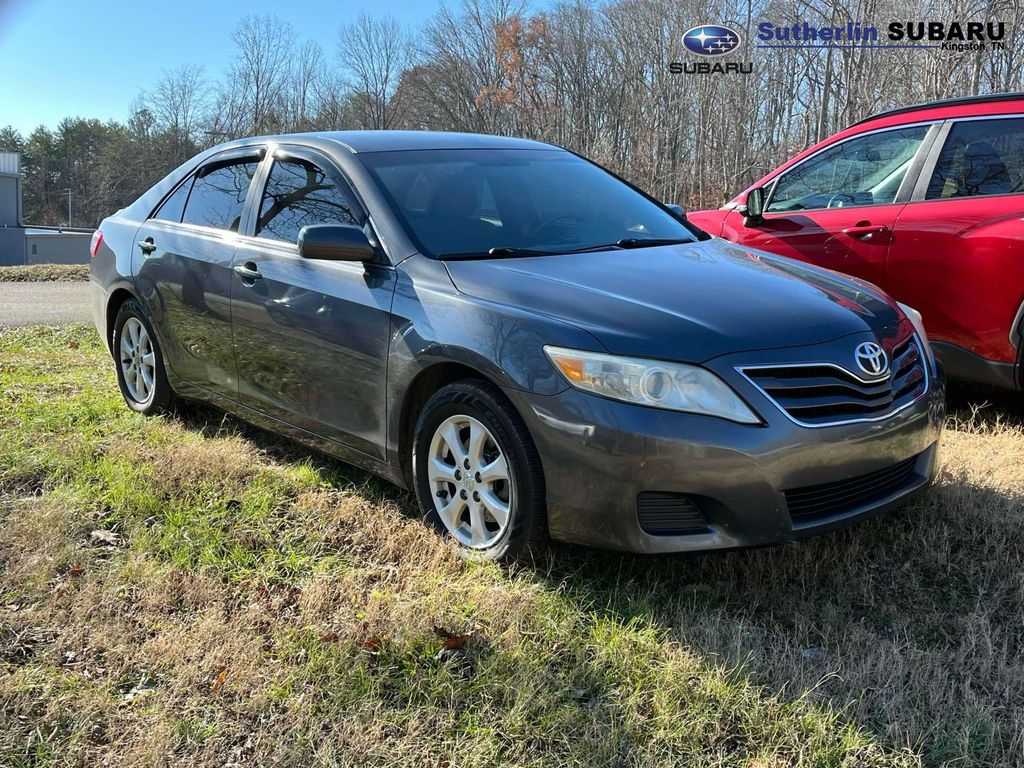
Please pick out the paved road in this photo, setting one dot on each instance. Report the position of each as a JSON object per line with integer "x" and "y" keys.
{"x": 50, "y": 303}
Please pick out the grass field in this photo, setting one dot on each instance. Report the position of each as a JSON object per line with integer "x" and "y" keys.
{"x": 246, "y": 602}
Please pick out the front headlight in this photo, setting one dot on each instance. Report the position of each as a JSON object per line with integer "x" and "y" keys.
{"x": 918, "y": 322}
{"x": 672, "y": 386}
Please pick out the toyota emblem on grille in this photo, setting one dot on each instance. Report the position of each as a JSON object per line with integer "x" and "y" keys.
{"x": 871, "y": 358}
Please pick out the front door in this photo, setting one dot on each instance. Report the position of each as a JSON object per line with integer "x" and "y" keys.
{"x": 838, "y": 208}
{"x": 311, "y": 337}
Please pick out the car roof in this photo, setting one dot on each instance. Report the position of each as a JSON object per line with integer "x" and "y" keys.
{"x": 960, "y": 101}
{"x": 385, "y": 141}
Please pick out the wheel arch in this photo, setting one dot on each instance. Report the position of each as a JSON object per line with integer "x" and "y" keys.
{"x": 423, "y": 385}
{"x": 114, "y": 302}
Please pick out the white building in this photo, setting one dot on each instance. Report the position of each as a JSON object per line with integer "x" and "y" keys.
{"x": 21, "y": 244}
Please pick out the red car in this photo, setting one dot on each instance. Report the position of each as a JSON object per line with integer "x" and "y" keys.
{"x": 926, "y": 202}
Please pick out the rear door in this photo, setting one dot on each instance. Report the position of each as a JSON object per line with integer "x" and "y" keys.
{"x": 838, "y": 207}
{"x": 311, "y": 336}
{"x": 958, "y": 256}
{"x": 182, "y": 269}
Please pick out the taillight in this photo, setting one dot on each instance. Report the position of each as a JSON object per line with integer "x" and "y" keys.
{"x": 94, "y": 246}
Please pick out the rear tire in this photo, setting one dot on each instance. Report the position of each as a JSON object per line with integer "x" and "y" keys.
{"x": 476, "y": 472}
{"x": 139, "y": 362}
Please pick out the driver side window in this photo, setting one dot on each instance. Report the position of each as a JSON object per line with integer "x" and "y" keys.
{"x": 867, "y": 170}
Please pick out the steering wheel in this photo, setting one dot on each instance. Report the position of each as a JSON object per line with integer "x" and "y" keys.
{"x": 839, "y": 200}
{"x": 570, "y": 219}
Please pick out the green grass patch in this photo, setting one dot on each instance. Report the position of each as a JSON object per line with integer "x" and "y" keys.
{"x": 268, "y": 605}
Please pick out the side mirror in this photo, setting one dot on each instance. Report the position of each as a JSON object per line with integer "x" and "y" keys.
{"x": 335, "y": 242}
{"x": 678, "y": 210}
{"x": 753, "y": 211}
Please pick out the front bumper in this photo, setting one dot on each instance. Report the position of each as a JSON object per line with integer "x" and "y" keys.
{"x": 599, "y": 455}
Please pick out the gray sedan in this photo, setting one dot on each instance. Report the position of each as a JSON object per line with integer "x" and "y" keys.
{"x": 530, "y": 344}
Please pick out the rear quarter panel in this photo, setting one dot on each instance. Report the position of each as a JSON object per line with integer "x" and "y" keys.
{"x": 111, "y": 269}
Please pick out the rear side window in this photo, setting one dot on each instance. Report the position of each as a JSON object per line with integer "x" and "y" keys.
{"x": 173, "y": 207}
{"x": 980, "y": 157}
{"x": 299, "y": 193}
{"x": 218, "y": 194}
{"x": 866, "y": 170}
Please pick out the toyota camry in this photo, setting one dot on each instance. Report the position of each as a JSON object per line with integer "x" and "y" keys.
{"x": 531, "y": 345}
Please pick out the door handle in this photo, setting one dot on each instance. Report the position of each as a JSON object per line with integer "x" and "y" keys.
{"x": 147, "y": 246}
{"x": 248, "y": 272}
{"x": 865, "y": 231}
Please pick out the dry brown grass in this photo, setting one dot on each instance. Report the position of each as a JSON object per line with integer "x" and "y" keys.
{"x": 272, "y": 607}
{"x": 37, "y": 273}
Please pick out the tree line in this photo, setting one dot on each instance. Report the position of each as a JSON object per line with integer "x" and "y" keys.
{"x": 591, "y": 77}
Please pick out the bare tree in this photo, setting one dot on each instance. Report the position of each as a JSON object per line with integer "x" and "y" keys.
{"x": 259, "y": 78}
{"x": 373, "y": 54}
{"x": 179, "y": 103}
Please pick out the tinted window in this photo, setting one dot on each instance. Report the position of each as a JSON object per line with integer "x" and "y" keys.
{"x": 300, "y": 193}
{"x": 980, "y": 157}
{"x": 174, "y": 205}
{"x": 864, "y": 171}
{"x": 467, "y": 201}
{"x": 218, "y": 194}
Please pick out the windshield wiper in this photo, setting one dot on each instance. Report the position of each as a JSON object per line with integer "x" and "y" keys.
{"x": 632, "y": 242}
{"x": 642, "y": 242}
{"x": 498, "y": 252}
{"x": 506, "y": 252}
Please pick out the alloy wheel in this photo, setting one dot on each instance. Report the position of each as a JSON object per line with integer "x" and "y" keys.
{"x": 470, "y": 482}
{"x": 138, "y": 360}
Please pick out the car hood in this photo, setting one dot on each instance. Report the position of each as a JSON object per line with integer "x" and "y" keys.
{"x": 687, "y": 302}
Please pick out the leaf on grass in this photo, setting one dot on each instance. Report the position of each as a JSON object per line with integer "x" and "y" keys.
{"x": 372, "y": 643}
{"x": 105, "y": 538}
{"x": 455, "y": 642}
{"x": 218, "y": 682}
{"x": 75, "y": 571}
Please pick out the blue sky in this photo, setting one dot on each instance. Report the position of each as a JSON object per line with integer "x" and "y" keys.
{"x": 61, "y": 58}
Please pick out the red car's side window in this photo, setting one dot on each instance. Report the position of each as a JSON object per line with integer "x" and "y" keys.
{"x": 980, "y": 157}
{"x": 866, "y": 170}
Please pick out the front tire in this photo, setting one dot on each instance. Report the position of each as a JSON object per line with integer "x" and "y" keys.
{"x": 476, "y": 471}
{"x": 139, "y": 362}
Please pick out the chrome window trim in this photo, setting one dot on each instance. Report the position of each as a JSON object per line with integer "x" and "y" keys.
{"x": 741, "y": 370}
{"x": 928, "y": 137}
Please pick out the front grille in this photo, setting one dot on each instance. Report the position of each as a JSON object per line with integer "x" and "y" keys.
{"x": 823, "y": 394}
{"x": 814, "y": 502}
{"x": 669, "y": 514}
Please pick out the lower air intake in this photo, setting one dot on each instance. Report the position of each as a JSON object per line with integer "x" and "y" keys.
{"x": 669, "y": 514}
{"x": 819, "y": 501}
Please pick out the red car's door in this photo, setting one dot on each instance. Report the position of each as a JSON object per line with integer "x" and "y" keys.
{"x": 958, "y": 254}
{"x": 838, "y": 207}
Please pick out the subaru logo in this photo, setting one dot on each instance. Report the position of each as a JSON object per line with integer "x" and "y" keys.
{"x": 871, "y": 358}
{"x": 711, "y": 40}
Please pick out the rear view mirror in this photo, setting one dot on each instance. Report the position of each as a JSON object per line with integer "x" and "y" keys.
{"x": 335, "y": 242}
{"x": 678, "y": 210}
{"x": 754, "y": 209}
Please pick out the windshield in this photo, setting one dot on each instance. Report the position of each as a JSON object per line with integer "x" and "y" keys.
{"x": 466, "y": 202}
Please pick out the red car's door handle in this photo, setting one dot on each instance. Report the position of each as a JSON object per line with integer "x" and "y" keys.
{"x": 864, "y": 231}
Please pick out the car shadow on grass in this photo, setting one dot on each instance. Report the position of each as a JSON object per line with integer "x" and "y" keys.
{"x": 986, "y": 405}
{"x": 909, "y": 625}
